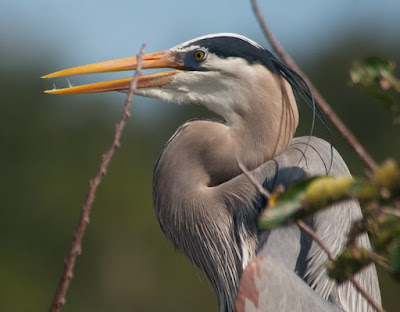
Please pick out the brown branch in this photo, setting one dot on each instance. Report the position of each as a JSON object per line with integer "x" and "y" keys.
{"x": 366, "y": 295}
{"x": 332, "y": 257}
{"x": 257, "y": 184}
{"x": 75, "y": 250}
{"x": 315, "y": 237}
{"x": 323, "y": 104}
{"x": 382, "y": 261}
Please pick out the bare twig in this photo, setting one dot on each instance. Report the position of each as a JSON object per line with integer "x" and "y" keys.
{"x": 315, "y": 237}
{"x": 66, "y": 277}
{"x": 382, "y": 261}
{"x": 323, "y": 104}
{"x": 366, "y": 295}
{"x": 257, "y": 184}
{"x": 332, "y": 257}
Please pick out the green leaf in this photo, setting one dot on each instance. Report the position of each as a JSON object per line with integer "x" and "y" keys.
{"x": 386, "y": 234}
{"x": 388, "y": 176}
{"x": 286, "y": 205}
{"x": 372, "y": 71}
{"x": 304, "y": 198}
{"x": 377, "y": 76}
{"x": 348, "y": 264}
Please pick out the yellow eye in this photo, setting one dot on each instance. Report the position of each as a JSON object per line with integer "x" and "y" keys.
{"x": 199, "y": 55}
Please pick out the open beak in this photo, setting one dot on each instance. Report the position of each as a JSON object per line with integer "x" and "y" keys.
{"x": 164, "y": 59}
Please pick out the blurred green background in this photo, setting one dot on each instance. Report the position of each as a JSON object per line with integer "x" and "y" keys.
{"x": 50, "y": 146}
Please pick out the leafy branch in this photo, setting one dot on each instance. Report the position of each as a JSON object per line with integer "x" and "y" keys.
{"x": 379, "y": 196}
{"x": 376, "y": 76}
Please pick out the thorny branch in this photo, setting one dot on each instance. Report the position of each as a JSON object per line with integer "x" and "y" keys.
{"x": 76, "y": 246}
{"x": 323, "y": 104}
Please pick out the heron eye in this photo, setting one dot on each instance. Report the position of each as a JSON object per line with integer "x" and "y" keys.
{"x": 199, "y": 55}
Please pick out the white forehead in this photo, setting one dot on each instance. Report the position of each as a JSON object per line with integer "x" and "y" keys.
{"x": 181, "y": 45}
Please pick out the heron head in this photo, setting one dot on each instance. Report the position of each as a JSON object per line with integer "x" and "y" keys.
{"x": 220, "y": 71}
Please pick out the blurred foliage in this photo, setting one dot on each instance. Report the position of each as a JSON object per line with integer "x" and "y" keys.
{"x": 51, "y": 147}
{"x": 379, "y": 196}
{"x": 376, "y": 75}
{"x": 348, "y": 263}
{"x": 302, "y": 199}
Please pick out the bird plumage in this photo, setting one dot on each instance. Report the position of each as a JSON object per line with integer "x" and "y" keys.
{"x": 209, "y": 210}
{"x": 223, "y": 227}
{"x": 296, "y": 249}
{"x": 204, "y": 203}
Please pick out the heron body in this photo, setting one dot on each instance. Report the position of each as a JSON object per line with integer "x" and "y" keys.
{"x": 204, "y": 203}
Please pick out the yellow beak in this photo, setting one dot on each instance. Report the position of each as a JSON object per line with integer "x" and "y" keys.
{"x": 164, "y": 59}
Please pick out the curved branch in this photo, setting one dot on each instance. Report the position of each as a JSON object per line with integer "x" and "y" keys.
{"x": 75, "y": 250}
{"x": 323, "y": 104}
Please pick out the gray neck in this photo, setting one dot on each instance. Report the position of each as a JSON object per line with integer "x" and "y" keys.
{"x": 267, "y": 127}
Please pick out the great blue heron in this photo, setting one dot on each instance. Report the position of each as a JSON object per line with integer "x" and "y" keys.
{"x": 204, "y": 203}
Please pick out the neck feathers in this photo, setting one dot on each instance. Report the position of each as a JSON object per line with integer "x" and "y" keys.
{"x": 266, "y": 128}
